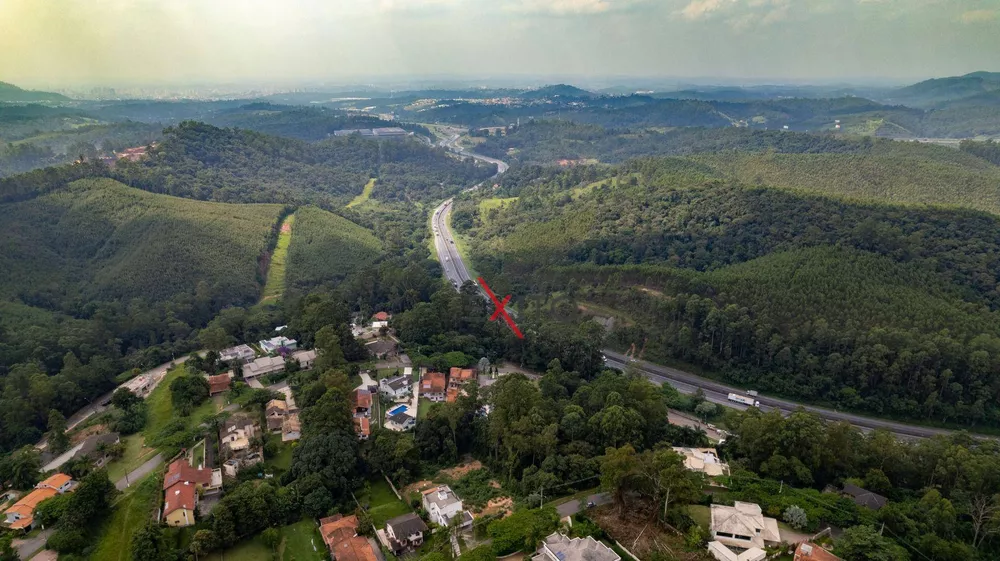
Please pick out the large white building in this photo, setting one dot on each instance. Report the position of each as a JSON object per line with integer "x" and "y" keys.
{"x": 742, "y": 526}
{"x": 442, "y": 505}
{"x": 558, "y": 547}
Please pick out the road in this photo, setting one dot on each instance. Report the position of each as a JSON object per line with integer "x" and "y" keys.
{"x": 138, "y": 473}
{"x": 715, "y": 392}
{"x": 26, "y": 548}
{"x": 572, "y": 507}
{"x": 457, "y": 273}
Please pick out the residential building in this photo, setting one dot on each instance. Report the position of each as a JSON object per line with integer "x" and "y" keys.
{"x": 275, "y": 344}
{"x": 400, "y": 422}
{"x": 396, "y": 387}
{"x": 340, "y": 534}
{"x": 863, "y": 497}
{"x": 96, "y": 448}
{"x": 382, "y": 348}
{"x": 451, "y": 396}
{"x": 291, "y": 428}
{"x": 220, "y": 383}
{"x": 723, "y": 553}
{"x": 179, "y": 504}
{"x": 275, "y": 413}
{"x": 232, "y": 466}
{"x": 235, "y": 435}
{"x": 808, "y": 551}
{"x": 380, "y": 320}
{"x": 442, "y": 505}
{"x": 208, "y": 481}
{"x": 21, "y": 516}
{"x": 743, "y": 525}
{"x": 362, "y": 426}
{"x": 362, "y": 401}
{"x": 304, "y": 358}
{"x": 559, "y": 547}
{"x": 404, "y": 533}
{"x": 704, "y": 460}
{"x": 241, "y": 354}
{"x": 432, "y": 386}
{"x": 264, "y": 365}
{"x": 458, "y": 377}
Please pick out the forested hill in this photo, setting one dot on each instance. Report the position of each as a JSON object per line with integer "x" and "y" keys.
{"x": 304, "y": 123}
{"x": 887, "y": 309}
{"x": 96, "y": 277}
{"x": 12, "y": 93}
{"x": 200, "y": 161}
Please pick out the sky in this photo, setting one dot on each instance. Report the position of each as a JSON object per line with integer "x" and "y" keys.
{"x": 67, "y": 43}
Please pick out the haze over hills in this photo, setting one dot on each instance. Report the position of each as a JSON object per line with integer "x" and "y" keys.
{"x": 12, "y": 93}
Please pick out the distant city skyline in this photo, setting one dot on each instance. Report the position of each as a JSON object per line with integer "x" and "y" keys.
{"x": 132, "y": 43}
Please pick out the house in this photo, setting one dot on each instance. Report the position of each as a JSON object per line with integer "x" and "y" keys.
{"x": 207, "y": 481}
{"x": 275, "y": 413}
{"x": 442, "y": 505}
{"x": 291, "y": 428}
{"x": 95, "y": 448}
{"x": 241, "y": 354}
{"x": 21, "y": 516}
{"x": 58, "y": 482}
{"x": 382, "y": 348}
{"x": 380, "y": 320}
{"x": 220, "y": 383}
{"x": 704, "y": 460}
{"x": 404, "y": 533}
{"x": 400, "y": 422}
{"x": 304, "y": 358}
{"x": 863, "y": 497}
{"x": 723, "y": 553}
{"x": 742, "y": 525}
{"x": 808, "y": 551}
{"x": 232, "y": 466}
{"x": 340, "y": 534}
{"x": 559, "y": 547}
{"x": 432, "y": 386}
{"x": 362, "y": 401}
{"x": 452, "y": 395}
{"x": 264, "y": 365}
{"x": 458, "y": 377}
{"x": 396, "y": 387}
{"x": 179, "y": 504}
{"x": 362, "y": 426}
{"x": 234, "y": 439}
{"x": 275, "y": 344}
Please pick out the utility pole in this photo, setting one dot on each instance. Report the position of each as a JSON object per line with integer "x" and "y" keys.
{"x": 781, "y": 487}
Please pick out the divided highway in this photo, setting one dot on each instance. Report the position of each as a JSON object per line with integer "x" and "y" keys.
{"x": 685, "y": 382}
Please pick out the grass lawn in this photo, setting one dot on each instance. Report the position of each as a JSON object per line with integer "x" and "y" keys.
{"x": 135, "y": 454}
{"x": 130, "y": 512}
{"x": 249, "y": 550}
{"x": 198, "y": 454}
{"x": 423, "y": 408}
{"x": 282, "y": 461}
{"x": 382, "y": 502}
{"x": 275, "y": 285}
{"x": 701, "y": 514}
{"x": 365, "y": 194}
{"x": 297, "y": 543}
{"x": 486, "y": 205}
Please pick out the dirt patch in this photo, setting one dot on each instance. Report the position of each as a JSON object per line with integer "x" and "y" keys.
{"x": 651, "y": 291}
{"x": 416, "y": 487}
{"x": 500, "y": 505}
{"x": 642, "y": 534}
{"x": 286, "y": 228}
{"x": 458, "y": 471}
{"x": 86, "y": 433}
{"x": 494, "y": 483}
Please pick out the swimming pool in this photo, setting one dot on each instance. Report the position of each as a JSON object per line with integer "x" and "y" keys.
{"x": 398, "y": 409}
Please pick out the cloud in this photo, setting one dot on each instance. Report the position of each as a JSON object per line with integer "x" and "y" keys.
{"x": 979, "y": 16}
{"x": 569, "y": 7}
{"x": 698, "y": 9}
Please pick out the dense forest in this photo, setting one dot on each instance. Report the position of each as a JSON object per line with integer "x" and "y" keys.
{"x": 882, "y": 308}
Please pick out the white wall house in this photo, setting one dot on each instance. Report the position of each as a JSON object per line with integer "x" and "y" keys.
{"x": 442, "y": 505}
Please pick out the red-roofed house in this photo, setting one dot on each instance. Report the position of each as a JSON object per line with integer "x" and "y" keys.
{"x": 362, "y": 426}
{"x": 452, "y": 395}
{"x": 381, "y": 316}
{"x": 219, "y": 384}
{"x": 179, "y": 503}
{"x": 340, "y": 533}
{"x": 432, "y": 386}
{"x": 808, "y": 551}
{"x": 458, "y": 377}
{"x": 180, "y": 471}
{"x": 362, "y": 400}
{"x": 58, "y": 482}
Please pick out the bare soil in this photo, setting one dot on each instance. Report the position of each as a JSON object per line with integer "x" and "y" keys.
{"x": 500, "y": 505}
{"x": 458, "y": 471}
{"x": 642, "y": 535}
{"x": 86, "y": 433}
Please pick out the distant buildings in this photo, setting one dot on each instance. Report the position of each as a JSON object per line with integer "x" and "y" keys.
{"x": 263, "y": 366}
{"x": 220, "y": 383}
{"x": 378, "y": 133}
{"x": 275, "y": 344}
{"x": 235, "y": 438}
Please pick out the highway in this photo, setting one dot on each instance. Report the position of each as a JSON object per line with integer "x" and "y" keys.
{"x": 685, "y": 382}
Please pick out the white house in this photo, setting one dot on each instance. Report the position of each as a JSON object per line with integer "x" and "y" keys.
{"x": 442, "y": 505}
{"x": 400, "y": 422}
{"x": 705, "y": 460}
{"x": 264, "y": 365}
{"x": 396, "y": 387}
{"x": 240, "y": 353}
{"x": 273, "y": 344}
{"x": 305, "y": 358}
{"x": 558, "y": 547}
{"x": 743, "y": 526}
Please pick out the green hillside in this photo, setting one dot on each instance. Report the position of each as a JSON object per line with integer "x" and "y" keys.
{"x": 100, "y": 239}
{"x": 886, "y": 308}
{"x": 325, "y": 248}
{"x": 12, "y": 93}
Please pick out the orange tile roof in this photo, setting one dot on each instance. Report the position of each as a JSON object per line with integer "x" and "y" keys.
{"x": 178, "y": 496}
{"x": 25, "y": 506}
{"x": 180, "y": 471}
{"x": 381, "y": 316}
{"x": 217, "y": 384}
{"x": 817, "y": 554}
{"x": 341, "y": 535}
{"x": 55, "y": 481}
{"x": 432, "y": 382}
{"x": 362, "y": 399}
{"x": 452, "y": 395}
{"x": 362, "y": 426}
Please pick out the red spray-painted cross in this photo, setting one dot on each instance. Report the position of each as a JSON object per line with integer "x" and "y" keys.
{"x": 500, "y": 311}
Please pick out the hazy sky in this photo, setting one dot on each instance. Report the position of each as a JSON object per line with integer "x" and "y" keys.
{"x": 119, "y": 42}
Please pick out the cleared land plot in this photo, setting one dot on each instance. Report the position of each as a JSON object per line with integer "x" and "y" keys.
{"x": 130, "y": 513}
{"x": 382, "y": 502}
{"x": 365, "y": 195}
{"x": 275, "y": 285}
{"x": 135, "y": 454}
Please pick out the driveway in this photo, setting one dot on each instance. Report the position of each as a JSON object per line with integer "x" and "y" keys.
{"x": 27, "y": 548}
{"x": 572, "y": 507}
{"x": 255, "y": 383}
{"x": 366, "y": 380}
{"x": 138, "y": 473}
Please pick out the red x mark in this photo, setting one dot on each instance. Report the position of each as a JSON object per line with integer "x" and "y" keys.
{"x": 500, "y": 311}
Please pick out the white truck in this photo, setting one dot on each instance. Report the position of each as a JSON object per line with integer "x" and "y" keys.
{"x": 752, "y": 393}
{"x": 748, "y": 401}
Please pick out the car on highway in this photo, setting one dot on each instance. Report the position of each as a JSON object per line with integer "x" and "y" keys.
{"x": 451, "y": 242}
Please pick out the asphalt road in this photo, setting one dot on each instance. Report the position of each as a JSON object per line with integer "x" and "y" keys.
{"x": 572, "y": 507}
{"x": 685, "y": 382}
{"x": 138, "y": 473}
{"x": 715, "y": 392}
{"x": 27, "y": 547}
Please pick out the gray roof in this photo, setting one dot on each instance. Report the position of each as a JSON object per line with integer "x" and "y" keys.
{"x": 864, "y": 497}
{"x": 406, "y": 525}
{"x": 236, "y": 422}
{"x": 398, "y": 382}
{"x": 442, "y": 496}
{"x": 579, "y": 549}
{"x": 400, "y": 418}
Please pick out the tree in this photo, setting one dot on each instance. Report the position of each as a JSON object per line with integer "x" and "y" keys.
{"x": 57, "y": 438}
{"x": 795, "y": 516}
{"x": 668, "y": 478}
{"x": 203, "y": 542}
{"x": 188, "y": 391}
{"x": 148, "y": 544}
{"x": 91, "y": 500}
{"x": 271, "y": 538}
{"x": 214, "y": 338}
{"x": 21, "y": 468}
{"x": 618, "y": 467}
{"x": 706, "y": 409}
{"x": 984, "y": 511}
{"x": 863, "y": 543}
{"x": 7, "y": 551}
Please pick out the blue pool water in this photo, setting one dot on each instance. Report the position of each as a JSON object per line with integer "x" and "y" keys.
{"x": 398, "y": 409}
